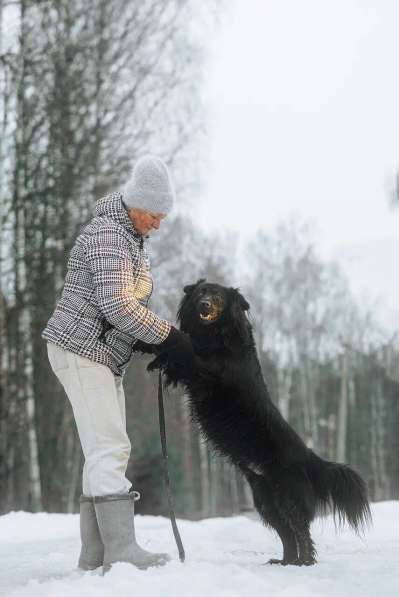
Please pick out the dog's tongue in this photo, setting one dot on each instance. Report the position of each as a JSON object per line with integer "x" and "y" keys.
{"x": 208, "y": 314}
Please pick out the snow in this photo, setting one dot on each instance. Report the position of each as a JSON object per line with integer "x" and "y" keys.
{"x": 224, "y": 557}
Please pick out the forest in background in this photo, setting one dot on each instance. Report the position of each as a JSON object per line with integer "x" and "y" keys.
{"x": 85, "y": 88}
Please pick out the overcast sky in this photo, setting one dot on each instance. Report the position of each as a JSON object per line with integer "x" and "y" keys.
{"x": 303, "y": 100}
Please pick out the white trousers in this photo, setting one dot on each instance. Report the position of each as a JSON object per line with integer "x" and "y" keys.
{"x": 98, "y": 404}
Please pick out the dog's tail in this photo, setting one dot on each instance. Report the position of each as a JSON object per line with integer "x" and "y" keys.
{"x": 341, "y": 489}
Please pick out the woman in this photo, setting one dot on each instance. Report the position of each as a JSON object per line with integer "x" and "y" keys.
{"x": 101, "y": 313}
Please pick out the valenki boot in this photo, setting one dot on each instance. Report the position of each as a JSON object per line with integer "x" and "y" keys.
{"x": 92, "y": 551}
{"x": 115, "y": 516}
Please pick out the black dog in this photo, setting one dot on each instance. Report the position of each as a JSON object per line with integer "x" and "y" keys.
{"x": 230, "y": 401}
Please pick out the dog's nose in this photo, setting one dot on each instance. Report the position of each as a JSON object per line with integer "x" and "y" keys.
{"x": 206, "y": 303}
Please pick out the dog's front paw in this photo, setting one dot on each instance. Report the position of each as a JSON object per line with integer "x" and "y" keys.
{"x": 157, "y": 363}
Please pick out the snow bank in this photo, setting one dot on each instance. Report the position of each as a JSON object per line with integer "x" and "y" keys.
{"x": 38, "y": 555}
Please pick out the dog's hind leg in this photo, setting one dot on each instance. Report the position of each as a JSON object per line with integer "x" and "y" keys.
{"x": 306, "y": 548}
{"x": 290, "y": 553}
{"x": 299, "y": 532}
{"x": 270, "y": 515}
{"x": 300, "y": 526}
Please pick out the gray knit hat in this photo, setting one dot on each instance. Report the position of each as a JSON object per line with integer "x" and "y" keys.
{"x": 150, "y": 186}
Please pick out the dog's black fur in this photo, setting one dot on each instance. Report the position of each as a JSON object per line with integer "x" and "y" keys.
{"x": 230, "y": 401}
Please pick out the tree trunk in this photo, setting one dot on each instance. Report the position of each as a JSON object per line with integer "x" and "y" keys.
{"x": 284, "y": 390}
{"x": 214, "y": 484}
{"x": 187, "y": 454}
{"x": 204, "y": 472}
{"x": 234, "y": 490}
{"x": 343, "y": 410}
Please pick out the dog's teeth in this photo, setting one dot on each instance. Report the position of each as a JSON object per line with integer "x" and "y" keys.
{"x": 209, "y": 317}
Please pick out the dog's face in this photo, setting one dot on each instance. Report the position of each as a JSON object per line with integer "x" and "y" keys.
{"x": 206, "y": 306}
{"x": 208, "y": 301}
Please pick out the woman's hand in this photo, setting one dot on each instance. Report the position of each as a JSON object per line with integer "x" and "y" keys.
{"x": 143, "y": 347}
{"x": 176, "y": 351}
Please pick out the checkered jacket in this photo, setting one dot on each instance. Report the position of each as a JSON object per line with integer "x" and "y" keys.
{"x": 103, "y": 307}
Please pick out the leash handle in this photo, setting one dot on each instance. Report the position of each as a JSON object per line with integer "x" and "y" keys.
{"x": 182, "y": 555}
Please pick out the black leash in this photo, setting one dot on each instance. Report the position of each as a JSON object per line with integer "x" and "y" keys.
{"x": 178, "y": 540}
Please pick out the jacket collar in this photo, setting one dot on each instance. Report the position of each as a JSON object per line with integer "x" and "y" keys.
{"x": 113, "y": 207}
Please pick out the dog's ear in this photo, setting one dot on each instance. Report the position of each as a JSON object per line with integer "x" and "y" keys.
{"x": 237, "y": 328}
{"x": 186, "y": 300}
{"x": 243, "y": 302}
{"x": 190, "y": 287}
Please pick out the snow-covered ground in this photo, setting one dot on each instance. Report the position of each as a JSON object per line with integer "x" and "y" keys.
{"x": 224, "y": 558}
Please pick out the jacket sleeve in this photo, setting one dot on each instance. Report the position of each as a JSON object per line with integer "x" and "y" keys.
{"x": 115, "y": 273}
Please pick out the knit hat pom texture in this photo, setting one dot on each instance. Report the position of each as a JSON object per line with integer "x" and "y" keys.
{"x": 150, "y": 186}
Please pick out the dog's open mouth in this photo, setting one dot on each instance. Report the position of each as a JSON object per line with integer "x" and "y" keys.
{"x": 209, "y": 316}
{"x": 210, "y": 313}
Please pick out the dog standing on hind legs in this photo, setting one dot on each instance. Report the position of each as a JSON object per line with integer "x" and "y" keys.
{"x": 279, "y": 512}
{"x": 229, "y": 400}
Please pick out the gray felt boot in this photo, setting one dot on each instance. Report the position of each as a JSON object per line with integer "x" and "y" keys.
{"x": 115, "y": 515}
{"x": 92, "y": 552}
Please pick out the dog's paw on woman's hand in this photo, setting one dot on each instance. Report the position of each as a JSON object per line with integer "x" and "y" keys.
{"x": 173, "y": 371}
{"x": 143, "y": 347}
{"x": 174, "y": 356}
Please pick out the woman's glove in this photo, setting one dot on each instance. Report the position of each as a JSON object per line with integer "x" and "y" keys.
{"x": 144, "y": 347}
{"x": 176, "y": 348}
{"x": 177, "y": 344}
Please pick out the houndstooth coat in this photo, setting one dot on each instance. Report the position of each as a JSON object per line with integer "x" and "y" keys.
{"x": 103, "y": 307}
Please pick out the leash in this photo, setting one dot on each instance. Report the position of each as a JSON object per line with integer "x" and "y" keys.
{"x": 162, "y": 431}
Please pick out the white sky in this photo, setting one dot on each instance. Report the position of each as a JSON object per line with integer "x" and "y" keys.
{"x": 303, "y": 101}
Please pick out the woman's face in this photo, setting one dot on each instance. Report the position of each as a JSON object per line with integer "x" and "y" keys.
{"x": 145, "y": 221}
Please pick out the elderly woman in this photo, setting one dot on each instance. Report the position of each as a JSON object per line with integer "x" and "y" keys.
{"x": 90, "y": 339}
